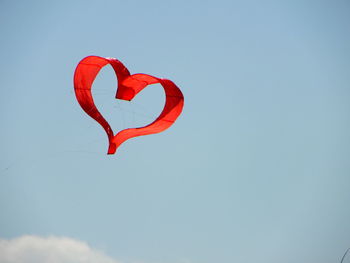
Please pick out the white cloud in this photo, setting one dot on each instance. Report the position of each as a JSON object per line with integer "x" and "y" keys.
{"x": 34, "y": 249}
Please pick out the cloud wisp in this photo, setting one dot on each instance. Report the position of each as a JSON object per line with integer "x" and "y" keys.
{"x": 30, "y": 249}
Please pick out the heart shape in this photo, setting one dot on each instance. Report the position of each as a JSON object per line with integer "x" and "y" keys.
{"x": 128, "y": 87}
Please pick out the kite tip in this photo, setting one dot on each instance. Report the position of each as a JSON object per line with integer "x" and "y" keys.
{"x": 112, "y": 148}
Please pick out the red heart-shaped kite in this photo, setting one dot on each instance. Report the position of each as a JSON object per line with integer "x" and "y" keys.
{"x": 128, "y": 87}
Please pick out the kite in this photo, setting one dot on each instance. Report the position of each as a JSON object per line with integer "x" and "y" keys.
{"x": 128, "y": 87}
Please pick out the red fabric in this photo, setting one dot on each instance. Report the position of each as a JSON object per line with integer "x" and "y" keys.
{"x": 128, "y": 87}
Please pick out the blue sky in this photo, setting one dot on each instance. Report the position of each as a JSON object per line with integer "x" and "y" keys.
{"x": 256, "y": 169}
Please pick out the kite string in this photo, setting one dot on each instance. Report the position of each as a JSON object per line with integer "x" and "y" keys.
{"x": 130, "y": 114}
{"x": 346, "y": 252}
{"x": 34, "y": 161}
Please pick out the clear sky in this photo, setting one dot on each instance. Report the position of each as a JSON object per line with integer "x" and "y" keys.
{"x": 256, "y": 169}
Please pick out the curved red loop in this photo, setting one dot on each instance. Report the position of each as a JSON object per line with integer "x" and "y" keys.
{"x": 128, "y": 87}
